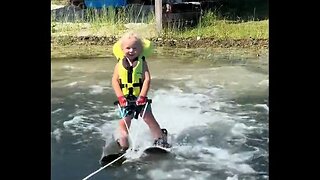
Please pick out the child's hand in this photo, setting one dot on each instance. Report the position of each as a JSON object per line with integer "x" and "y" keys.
{"x": 122, "y": 101}
{"x": 141, "y": 101}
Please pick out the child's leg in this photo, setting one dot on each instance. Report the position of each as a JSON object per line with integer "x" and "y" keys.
{"x": 153, "y": 124}
{"x": 159, "y": 135}
{"x": 123, "y": 140}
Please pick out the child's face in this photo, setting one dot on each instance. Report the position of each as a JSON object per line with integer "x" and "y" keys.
{"x": 131, "y": 48}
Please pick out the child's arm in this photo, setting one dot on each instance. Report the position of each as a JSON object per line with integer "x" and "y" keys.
{"x": 147, "y": 80}
{"x": 115, "y": 82}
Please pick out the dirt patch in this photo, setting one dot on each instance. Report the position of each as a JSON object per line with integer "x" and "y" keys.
{"x": 211, "y": 42}
{"x": 166, "y": 42}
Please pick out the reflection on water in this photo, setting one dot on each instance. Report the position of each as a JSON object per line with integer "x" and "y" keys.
{"x": 216, "y": 115}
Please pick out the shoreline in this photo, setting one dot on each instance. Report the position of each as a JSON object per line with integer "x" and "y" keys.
{"x": 94, "y": 46}
{"x": 205, "y": 42}
{"x": 87, "y": 51}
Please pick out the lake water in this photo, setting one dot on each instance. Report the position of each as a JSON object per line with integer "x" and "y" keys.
{"x": 215, "y": 108}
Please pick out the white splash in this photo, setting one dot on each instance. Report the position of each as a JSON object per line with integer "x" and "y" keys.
{"x": 71, "y": 84}
{"x": 158, "y": 174}
{"x": 57, "y": 134}
{"x": 74, "y": 121}
{"x": 264, "y": 106}
{"x": 235, "y": 177}
{"x": 96, "y": 89}
{"x": 57, "y": 110}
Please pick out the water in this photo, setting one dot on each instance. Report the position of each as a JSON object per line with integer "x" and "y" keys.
{"x": 216, "y": 114}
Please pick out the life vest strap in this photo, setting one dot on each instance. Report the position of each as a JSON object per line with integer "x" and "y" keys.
{"x": 133, "y": 85}
{"x": 130, "y": 70}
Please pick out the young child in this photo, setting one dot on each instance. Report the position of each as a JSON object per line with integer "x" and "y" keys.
{"x": 131, "y": 81}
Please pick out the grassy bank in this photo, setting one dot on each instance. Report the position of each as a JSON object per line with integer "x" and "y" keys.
{"x": 59, "y": 2}
{"x": 102, "y": 51}
{"x": 100, "y": 31}
{"x": 210, "y": 25}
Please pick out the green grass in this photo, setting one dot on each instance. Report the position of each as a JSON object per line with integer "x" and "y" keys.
{"x": 225, "y": 30}
{"x": 213, "y": 26}
{"x": 112, "y": 24}
{"x": 105, "y": 23}
{"x": 59, "y": 2}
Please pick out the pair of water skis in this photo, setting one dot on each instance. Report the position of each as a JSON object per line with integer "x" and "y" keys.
{"x": 113, "y": 157}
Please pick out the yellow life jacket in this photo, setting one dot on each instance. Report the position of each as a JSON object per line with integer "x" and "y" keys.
{"x": 130, "y": 79}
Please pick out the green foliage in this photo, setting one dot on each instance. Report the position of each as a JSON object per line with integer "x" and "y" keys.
{"x": 58, "y": 2}
{"x": 111, "y": 21}
{"x": 212, "y": 25}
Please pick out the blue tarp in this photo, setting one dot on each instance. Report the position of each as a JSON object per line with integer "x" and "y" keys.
{"x": 104, "y": 3}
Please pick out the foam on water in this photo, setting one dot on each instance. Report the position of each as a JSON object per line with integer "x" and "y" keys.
{"x": 158, "y": 174}
{"x": 85, "y": 122}
{"x": 96, "y": 89}
{"x": 235, "y": 177}
{"x": 71, "y": 84}
{"x": 57, "y": 134}
{"x": 179, "y": 112}
{"x": 209, "y": 131}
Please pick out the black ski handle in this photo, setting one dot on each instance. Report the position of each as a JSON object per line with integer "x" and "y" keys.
{"x": 130, "y": 102}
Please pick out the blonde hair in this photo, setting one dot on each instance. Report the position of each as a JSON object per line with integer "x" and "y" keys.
{"x": 131, "y": 35}
{"x": 146, "y": 45}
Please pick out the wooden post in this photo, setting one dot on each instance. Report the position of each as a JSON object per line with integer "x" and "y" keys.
{"x": 158, "y": 13}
